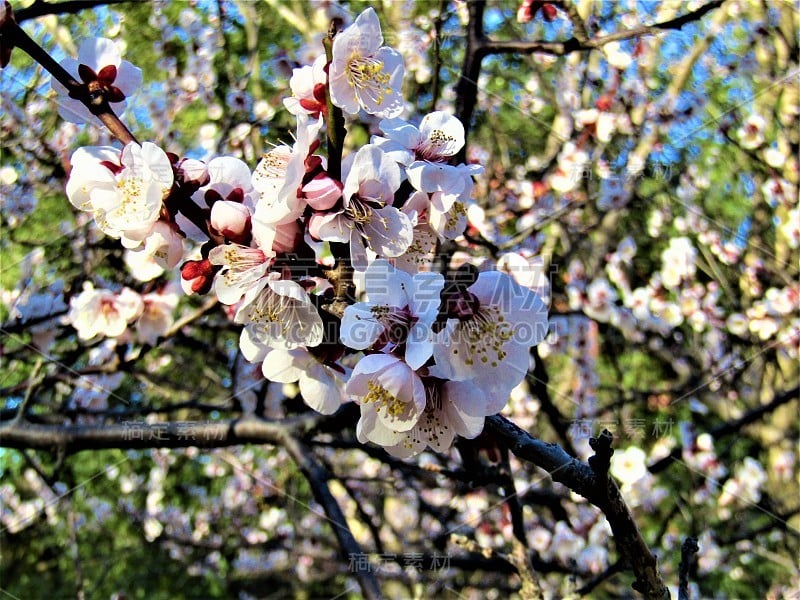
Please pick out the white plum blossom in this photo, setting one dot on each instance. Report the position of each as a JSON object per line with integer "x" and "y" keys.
{"x": 491, "y": 326}
{"x": 391, "y": 396}
{"x": 242, "y": 269}
{"x": 600, "y": 123}
{"x": 678, "y": 262}
{"x": 751, "y": 134}
{"x": 616, "y": 57}
{"x": 156, "y": 317}
{"x": 101, "y": 312}
{"x": 452, "y": 408}
{"x": 628, "y": 465}
{"x": 100, "y": 65}
{"x": 279, "y": 175}
{"x": 367, "y": 212}
{"x": 278, "y": 313}
{"x": 164, "y": 245}
{"x": 399, "y": 312}
{"x": 123, "y": 192}
{"x": 321, "y": 383}
{"x": 308, "y": 89}
{"x": 439, "y": 136}
{"x": 363, "y": 73}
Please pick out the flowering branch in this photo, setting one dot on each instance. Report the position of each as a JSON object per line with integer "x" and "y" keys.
{"x": 14, "y": 36}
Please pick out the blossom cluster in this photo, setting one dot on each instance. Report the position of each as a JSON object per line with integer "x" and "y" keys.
{"x": 426, "y": 356}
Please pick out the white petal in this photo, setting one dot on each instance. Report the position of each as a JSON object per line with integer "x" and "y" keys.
{"x": 129, "y": 78}
{"x": 321, "y": 390}
{"x": 360, "y": 329}
{"x": 389, "y": 232}
{"x": 285, "y": 366}
{"x": 98, "y": 53}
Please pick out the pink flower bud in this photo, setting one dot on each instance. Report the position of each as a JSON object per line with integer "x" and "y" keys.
{"x": 192, "y": 173}
{"x": 322, "y": 192}
{"x": 197, "y": 276}
{"x": 232, "y": 220}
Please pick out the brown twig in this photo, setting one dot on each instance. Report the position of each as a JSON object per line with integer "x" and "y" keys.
{"x": 41, "y": 8}
{"x": 318, "y": 477}
{"x": 688, "y": 550}
{"x": 15, "y": 36}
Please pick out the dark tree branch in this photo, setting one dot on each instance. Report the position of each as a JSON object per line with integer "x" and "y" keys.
{"x": 584, "y": 480}
{"x": 41, "y": 8}
{"x": 140, "y": 434}
{"x": 688, "y": 550}
{"x": 538, "y": 380}
{"x": 318, "y": 478}
{"x": 14, "y": 36}
{"x": 467, "y": 87}
{"x": 574, "y": 44}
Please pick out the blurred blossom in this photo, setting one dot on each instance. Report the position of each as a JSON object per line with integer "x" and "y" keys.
{"x": 103, "y": 312}
{"x": 629, "y": 465}
{"x": 751, "y": 134}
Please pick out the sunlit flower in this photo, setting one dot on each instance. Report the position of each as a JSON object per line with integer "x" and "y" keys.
{"x": 156, "y": 317}
{"x": 279, "y": 176}
{"x": 308, "y": 89}
{"x": 278, "y": 313}
{"x": 391, "y": 395}
{"x": 367, "y": 211}
{"x": 124, "y": 192}
{"x": 399, "y": 312}
{"x": 751, "y": 134}
{"x": 242, "y": 269}
{"x": 321, "y": 383}
{"x": 452, "y": 408}
{"x": 678, "y": 262}
{"x": 439, "y": 136}
{"x": 490, "y": 328}
{"x": 628, "y": 465}
{"x": 364, "y": 74}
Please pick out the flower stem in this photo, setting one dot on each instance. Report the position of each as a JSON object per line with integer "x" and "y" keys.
{"x": 336, "y": 129}
{"x": 341, "y": 276}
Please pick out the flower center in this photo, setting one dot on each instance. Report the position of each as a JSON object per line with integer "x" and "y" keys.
{"x": 366, "y": 74}
{"x": 383, "y": 399}
{"x": 397, "y": 322}
{"x": 484, "y": 336}
{"x": 431, "y": 148}
{"x": 358, "y": 211}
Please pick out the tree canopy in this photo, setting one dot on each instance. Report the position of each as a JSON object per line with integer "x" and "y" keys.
{"x": 519, "y": 314}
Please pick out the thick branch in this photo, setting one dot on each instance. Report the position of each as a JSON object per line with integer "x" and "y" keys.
{"x": 581, "y": 478}
{"x": 140, "y": 434}
{"x": 467, "y": 87}
{"x": 688, "y": 550}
